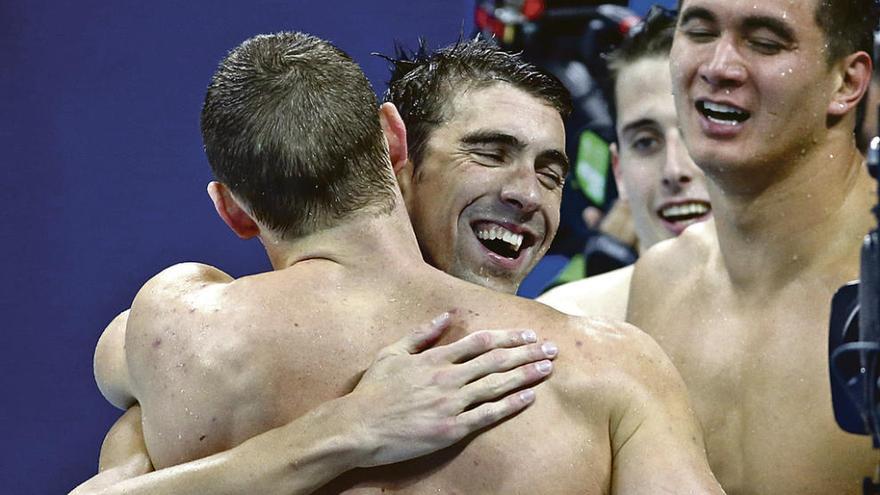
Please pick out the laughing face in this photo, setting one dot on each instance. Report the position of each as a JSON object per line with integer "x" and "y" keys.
{"x": 655, "y": 174}
{"x": 484, "y": 201}
{"x": 751, "y": 82}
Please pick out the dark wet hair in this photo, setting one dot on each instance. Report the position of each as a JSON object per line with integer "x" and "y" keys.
{"x": 650, "y": 38}
{"x": 423, "y": 82}
{"x": 290, "y": 125}
{"x": 848, "y": 26}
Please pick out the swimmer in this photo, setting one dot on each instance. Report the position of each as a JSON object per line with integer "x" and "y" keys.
{"x": 658, "y": 180}
{"x": 766, "y": 94}
{"x": 614, "y": 418}
{"x": 420, "y": 87}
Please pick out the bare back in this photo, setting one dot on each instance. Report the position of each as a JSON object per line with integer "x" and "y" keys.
{"x": 756, "y": 364}
{"x": 215, "y": 362}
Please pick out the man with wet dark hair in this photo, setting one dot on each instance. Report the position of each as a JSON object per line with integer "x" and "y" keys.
{"x": 214, "y": 361}
{"x": 656, "y": 178}
{"x": 767, "y": 95}
{"x": 494, "y": 234}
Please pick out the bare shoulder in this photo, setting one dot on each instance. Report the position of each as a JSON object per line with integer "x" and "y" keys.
{"x": 166, "y": 309}
{"x": 603, "y": 295}
{"x": 619, "y": 357}
{"x": 183, "y": 277}
{"x": 669, "y": 268}
{"x": 678, "y": 255}
{"x": 111, "y": 372}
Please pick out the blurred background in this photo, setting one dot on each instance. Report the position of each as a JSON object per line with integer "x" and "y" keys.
{"x": 104, "y": 179}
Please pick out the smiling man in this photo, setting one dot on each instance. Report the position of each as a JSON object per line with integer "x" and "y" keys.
{"x": 766, "y": 93}
{"x": 655, "y": 175}
{"x": 487, "y": 161}
{"x": 616, "y": 419}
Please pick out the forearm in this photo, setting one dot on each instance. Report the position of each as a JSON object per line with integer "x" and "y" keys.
{"x": 297, "y": 458}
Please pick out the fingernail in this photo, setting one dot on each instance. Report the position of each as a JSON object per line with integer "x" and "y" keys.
{"x": 544, "y": 366}
{"x": 527, "y": 395}
{"x": 440, "y": 319}
{"x": 530, "y": 336}
{"x": 549, "y": 349}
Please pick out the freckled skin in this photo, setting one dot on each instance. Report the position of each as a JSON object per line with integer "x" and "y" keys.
{"x": 612, "y": 390}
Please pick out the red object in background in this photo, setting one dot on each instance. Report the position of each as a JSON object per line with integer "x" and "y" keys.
{"x": 533, "y": 9}
{"x": 628, "y": 23}
{"x": 485, "y": 21}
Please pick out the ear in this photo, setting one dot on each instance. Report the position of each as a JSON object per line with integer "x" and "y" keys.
{"x": 231, "y": 212}
{"x": 855, "y": 72}
{"x": 395, "y": 134}
{"x": 618, "y": 175}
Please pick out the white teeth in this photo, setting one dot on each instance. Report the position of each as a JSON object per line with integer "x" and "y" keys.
{"x": 498, "y": 232}
{"x": 715, "y": 107}
{"x": 722, "y": 122}
{"x": 685, "y": 210}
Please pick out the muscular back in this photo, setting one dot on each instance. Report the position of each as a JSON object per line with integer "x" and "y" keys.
{"x": 755, "y": 363}
{"x": 215, "y": 361}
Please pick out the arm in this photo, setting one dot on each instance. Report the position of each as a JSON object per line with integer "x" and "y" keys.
{"x": 111, "y": 370}
{"x": 409, "y": 403}
{"x": 657, "y": 443}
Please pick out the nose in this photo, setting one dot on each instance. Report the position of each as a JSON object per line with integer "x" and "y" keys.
{"x": 725, "y": 69}
{"x": 678, "y": 168}
{"x": 521, "y": 189}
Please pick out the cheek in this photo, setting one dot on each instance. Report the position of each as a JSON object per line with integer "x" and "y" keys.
{"x": 641, "y": 180}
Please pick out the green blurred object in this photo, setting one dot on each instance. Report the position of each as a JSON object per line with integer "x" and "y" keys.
{"x": 591, "y": 168}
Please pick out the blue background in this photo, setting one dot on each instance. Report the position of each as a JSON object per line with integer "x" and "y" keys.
{"x": 103, "y": 181}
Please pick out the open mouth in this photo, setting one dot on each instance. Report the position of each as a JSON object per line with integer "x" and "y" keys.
{"x": 684, "y": 212}
{"x": 502, "y": 241}
{"x": 722, "y": 114}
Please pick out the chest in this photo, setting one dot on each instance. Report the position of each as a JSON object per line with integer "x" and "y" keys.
{"x": 757, "y": 372}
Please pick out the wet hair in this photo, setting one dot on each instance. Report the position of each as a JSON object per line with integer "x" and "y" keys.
{"x": 848, "y": 26}
{"x": 423, "y": 83}
{"x": 650, "y": 38}
{"x": 291, "y": 127}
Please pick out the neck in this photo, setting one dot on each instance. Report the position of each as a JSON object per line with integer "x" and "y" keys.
{"x": 814, "y": 215}
{"x": 365, "y": 242}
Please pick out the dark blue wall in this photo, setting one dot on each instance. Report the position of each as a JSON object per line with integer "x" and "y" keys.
{"x": 103, "y": 182}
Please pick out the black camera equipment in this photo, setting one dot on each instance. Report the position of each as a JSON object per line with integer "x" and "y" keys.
{"x": 854, "y": 340}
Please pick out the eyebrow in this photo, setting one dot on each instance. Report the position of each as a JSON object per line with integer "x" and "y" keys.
{"x": 701, "y": 13}
{"x": 492, "y": 137}
{"x": 645, "y": 122}
{"x": 778, "y": 27}
{"x": 482, "y": 138}
{"x": 750, "y": 23}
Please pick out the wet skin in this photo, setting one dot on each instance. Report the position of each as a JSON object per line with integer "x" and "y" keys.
{"x": 494, "y": 168}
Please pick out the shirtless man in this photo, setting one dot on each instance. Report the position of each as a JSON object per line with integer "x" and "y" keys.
{"x": 419, "y": 85}
{"x": 665, "y": 190}
{"x": 215, "y": 361}
{"x": 766, "y": 94}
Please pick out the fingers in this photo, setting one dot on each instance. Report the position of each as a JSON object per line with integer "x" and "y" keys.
{"x": 480, "y": 342}
{"x": 498, "y": 384}
{"x": 499, "y": 360}
{"x": 492, "y": 412}
{"x": 421, "y": 338}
